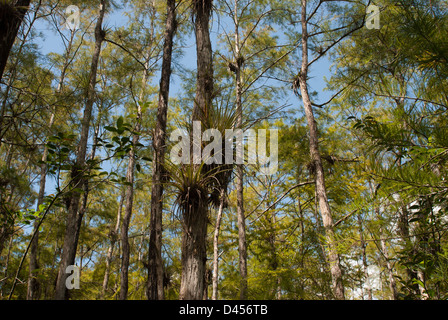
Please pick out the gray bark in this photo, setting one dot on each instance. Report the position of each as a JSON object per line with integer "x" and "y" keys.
{"x": 215, "y": 247}
{"x": 195, "y": 218}
{"x": 327, "y": 219}
{"x": 194, "y": 253}
{"x": 242, "y": 245}
{"x": 129, "y": 200}
{"x": 390, "y": 273}
{"x": 364, "y": 260}
{"x": 155, "y": 264}
{"x": 110, "y": 251}
{"x": 129, "y": 195}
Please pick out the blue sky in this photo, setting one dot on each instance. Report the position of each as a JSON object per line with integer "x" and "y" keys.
{"x": 52, "y": 43}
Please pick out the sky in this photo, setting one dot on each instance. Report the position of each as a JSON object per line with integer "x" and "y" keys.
{"x": 51, "y": 42}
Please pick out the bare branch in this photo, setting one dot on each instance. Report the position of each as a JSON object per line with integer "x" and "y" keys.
{"x": 281, "y": 197}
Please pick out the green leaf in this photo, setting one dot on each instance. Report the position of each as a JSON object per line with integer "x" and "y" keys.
{"x": 66, "y": 167}
{"x": 120, "y": 122}
{"x": 111, "y": 129}
{"x": 125, "y": 140}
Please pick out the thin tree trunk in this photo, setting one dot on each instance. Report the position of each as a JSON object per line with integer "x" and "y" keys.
{"x": 33, "y": 284}
{"x": 392, "y": 282}
{"x": 129, "y": 199}
{"x": 333, "y": 256}
{"x": 420, "y": 273}
{"x": 364, "y": 260}
{"x": 110, "y": 251}
{"x": 8, "y": 256}
{"x": 86, "y": 190}
{"x": 11, "y": 17}
{"x": 155, "y": 263}
{"x": 130, "y": 175}
{"x": 6, "y": 223}
{"x": 215, "y": 247}
{"x": 272, "y": 239}
{"x": 74, "y": 217}
{"x": 274, "y": 257}
{"x": 129, "y": 196}
{"x": 302, "y": 245}
{"x": 384, "y": 251}
{"x": 319, "y": 231}
{"x": 242, "y": 245}
{"x": 403, "y": 230}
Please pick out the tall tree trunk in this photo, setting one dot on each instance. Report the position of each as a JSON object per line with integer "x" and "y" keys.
{"x": 6, "y": 266}
{"x": 74, "y": 217}
{"x": 110, "y": 251}
{"x": 130, "y": 175}
{"x": 129, "y": 195}
{"x": 273, "y": 263}
{"x": 403, "y": 227}
{"x": 271, "y": 239}
{"x": 215, "y": 246}
{"x": 421, "y": 240}
{"x": 11, "y": 17}
{"x": 6, "y": 220}
{"x": 194, "y": 251}
{"x": 392, "y": 282}
{"x": 327, "y": 219}
{"x": 33, "y": 284}
{"x": 204, "y": 82}
{"x": 403, "y": 230}
{"x": 242, "y": 246}
{"x": 385, "y": 252}
{"x": 155, "y": 264}
{"x": 129, "y": 199}
{"x": 364, "y": 260}
{"x": 6, "y": 229}
{"x": 195, "y": 218}
{"x": 302, "y": 245}
{"x": 12, "y": 14}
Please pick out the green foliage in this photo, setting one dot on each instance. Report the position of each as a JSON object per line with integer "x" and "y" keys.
{"x": 382, "y": 137}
